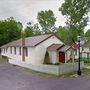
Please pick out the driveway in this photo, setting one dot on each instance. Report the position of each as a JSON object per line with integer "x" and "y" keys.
{"x": 15, "y": 78}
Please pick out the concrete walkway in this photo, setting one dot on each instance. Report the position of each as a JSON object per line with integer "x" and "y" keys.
{"x": 15, "y": 78}
{"x": 87, "y": 67}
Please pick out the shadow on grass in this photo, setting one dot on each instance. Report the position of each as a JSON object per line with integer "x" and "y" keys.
{"x": 3, "y": 59}
{"x": 87, "y": 64}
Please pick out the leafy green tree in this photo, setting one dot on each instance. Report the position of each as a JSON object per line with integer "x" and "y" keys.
{"x": 47, "y": 21}
{"x": 10, "y": 30}
{"x": 32, "y": 29}
{"x": 36, "y": 29}
{"x": 87, "y": 35}
{"x": 63, "y": 33}
{"x": 75, "y": 12}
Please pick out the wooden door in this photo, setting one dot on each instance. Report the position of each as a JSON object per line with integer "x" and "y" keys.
{"x": 62, "y": 57}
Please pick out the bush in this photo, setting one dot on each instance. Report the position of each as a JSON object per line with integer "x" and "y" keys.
{"x": 86, "y": 60}
{"x": 52, "y": 63}
{"x": 3, "y": 58}
{"x": 47, "y": 59}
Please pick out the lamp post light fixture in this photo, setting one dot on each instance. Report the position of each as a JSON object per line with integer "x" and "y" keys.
{"x": 79, "y": 70}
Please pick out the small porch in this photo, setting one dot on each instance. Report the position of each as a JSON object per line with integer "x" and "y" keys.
{"x": 59, "y": 53}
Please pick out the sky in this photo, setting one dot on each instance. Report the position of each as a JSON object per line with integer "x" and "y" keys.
{"x": 26, "y": 10}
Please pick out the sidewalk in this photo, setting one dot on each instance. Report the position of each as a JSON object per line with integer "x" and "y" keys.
{"x": 87, "y": 67}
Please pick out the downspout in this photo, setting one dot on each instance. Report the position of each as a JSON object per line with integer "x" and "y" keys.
{"x": 23, "y": 49}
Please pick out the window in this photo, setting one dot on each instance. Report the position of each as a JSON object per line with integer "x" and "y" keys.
{"x": 11, "y": 50}
{"x": 14, "y": 50}
{"x": 26, "y": 49}
{"x": 19, "y": 50}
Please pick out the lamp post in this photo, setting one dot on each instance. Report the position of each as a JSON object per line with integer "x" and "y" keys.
{"x": 79, "y": 71}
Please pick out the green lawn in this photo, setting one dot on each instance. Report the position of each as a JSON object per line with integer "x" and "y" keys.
{"x": 87, "y": 64}
{"x": 86, "y": 71}
{"x": 3, "y": 59}
{"x": 86, "y": 61}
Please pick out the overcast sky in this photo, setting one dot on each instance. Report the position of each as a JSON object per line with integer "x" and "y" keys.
{"x": 26, "y": 10}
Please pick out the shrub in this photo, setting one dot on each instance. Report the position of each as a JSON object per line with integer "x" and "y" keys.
{"x": 86, "y": 60}
{"x": 47, "y": 59}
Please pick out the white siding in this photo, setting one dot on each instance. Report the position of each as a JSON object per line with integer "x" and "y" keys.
{"x": 3, "y": 52}
{"x": 53, "y": 57}
{"x": 76, "y": 56}
{"x": 15, "y": 56}
{"x": 84, "y": 55}
{"x": 12, "y": 55}
{"x": 36, "y": 54}
{"x": 67, "y": 55}
{"x": 83, "y": 52}
{"x": 31, "y": 56}
{"x": 40, "y": 50}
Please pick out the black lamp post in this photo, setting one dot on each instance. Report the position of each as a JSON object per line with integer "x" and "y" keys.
{"x": 79, "y": 71}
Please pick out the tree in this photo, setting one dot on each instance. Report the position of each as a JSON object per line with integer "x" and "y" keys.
{"x": 62, "y": 32}
{"x": 10, "y": 30}
{"x": 32, "y": 29}
{"x": 75, "y": 12}
{"x": 87, "y": 35}
{"x": 47, "y": 21}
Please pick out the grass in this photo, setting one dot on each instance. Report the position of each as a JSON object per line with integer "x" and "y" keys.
{"x": 86, "y": 61}
{"x": 87, "y": 64}
{"x": 68, "y": 74}
{"x": 86, "y": 71}
{"x": 3, "y": 59}
{"x": 74, "y": 73}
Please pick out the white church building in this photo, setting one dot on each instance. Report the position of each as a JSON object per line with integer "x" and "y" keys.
{"x": 32, "y": 50}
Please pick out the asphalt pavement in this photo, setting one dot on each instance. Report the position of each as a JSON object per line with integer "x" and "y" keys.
{"x": 15, "y": 78}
